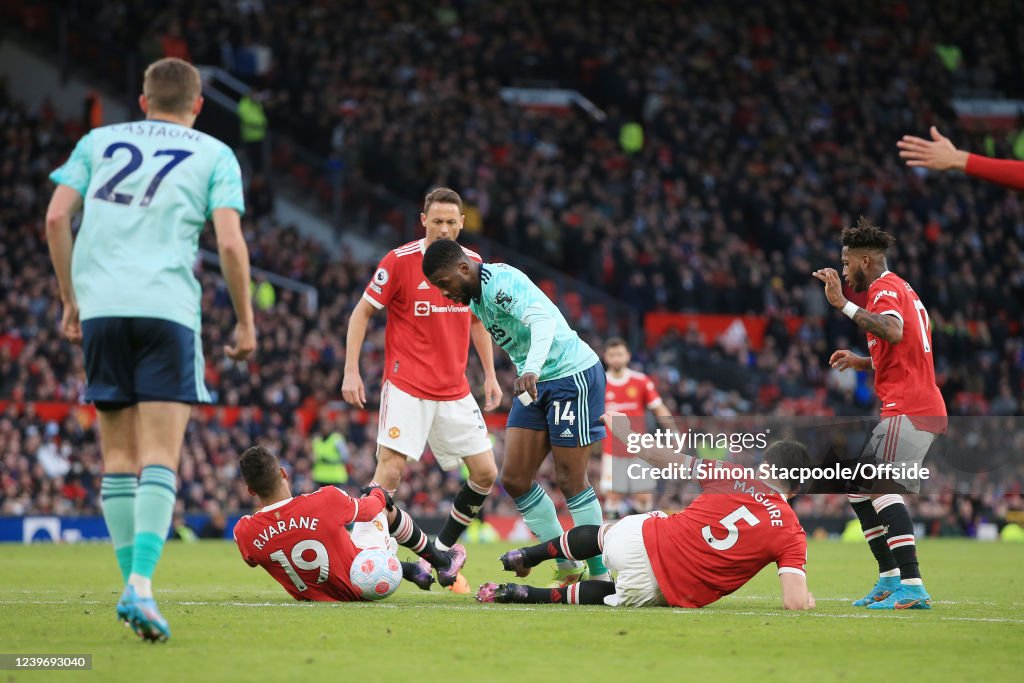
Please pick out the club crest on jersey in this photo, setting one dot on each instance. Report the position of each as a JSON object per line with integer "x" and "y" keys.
{"x": 381, "y": 277}
{"x": 394, "y": 432}
{"x": 504, "y": 300}
{"x": 421, "y": 308}
{"x": 376, "y": 523}
{"x": 884, "y": 292}
{"x": 631, "y": 392}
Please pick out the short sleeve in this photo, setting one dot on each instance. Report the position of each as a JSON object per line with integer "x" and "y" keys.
{"x": 77, "y": 170}
{"x": 886, "y": 300}
{"x": 384, "y": 284}
{"x": 793, "y": 559}
{"x": 226, "y": 184}
{"x": 336, "y": 504}
{"x": 652, "y": 399}
{"x": 249, "y": 560}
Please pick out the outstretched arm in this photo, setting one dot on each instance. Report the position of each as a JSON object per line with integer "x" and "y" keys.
{"x": 940, "y": 154}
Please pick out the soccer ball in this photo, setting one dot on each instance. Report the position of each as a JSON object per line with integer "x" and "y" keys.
{"x": 375, "y": 573}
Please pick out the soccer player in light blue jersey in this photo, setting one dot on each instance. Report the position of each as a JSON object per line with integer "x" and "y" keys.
{"x": 560, "y": 391}
{"x": 146, "y": 190}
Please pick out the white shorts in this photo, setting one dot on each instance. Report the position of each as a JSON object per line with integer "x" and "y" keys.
{"x": 373, "y": 534}
{"x": 897, "y": 441}
{"x": 615, "y": 476}
{"x": 454, "y": 429}
{"x": 625, "y": 553}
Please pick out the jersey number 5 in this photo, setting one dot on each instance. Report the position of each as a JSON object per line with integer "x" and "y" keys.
{"x": 729, "y": 522}
{"x": 320, "y": 561}
{"x": 108, "y": 191}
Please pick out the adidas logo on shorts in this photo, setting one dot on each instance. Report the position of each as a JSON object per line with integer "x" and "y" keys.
{"x": 567, "y": 434}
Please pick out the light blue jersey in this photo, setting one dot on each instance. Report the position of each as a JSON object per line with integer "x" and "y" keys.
{"x": 522, "y": 320}
{"x": 148, "y": 188}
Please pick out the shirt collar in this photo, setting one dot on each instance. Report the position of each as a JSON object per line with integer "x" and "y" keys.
{"x": 274, "y": 506}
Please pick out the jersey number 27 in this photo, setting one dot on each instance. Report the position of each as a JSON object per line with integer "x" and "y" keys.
{"x": 108, "y": 191}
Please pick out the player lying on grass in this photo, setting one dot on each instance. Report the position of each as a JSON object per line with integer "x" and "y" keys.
{"x": 302, "y": 541}
{"x": 689, "y": 559}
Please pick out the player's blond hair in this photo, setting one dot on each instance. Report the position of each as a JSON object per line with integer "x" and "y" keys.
{"x": 171, "y": 85}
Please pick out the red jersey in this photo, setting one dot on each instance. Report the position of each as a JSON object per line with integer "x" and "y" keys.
{"x": 633, "y": 394}
{"x": 721, "y": 541}
{"x": 426, "y": 341}
{"x": 303, "y": 544}
{"x": 904, "y": 372}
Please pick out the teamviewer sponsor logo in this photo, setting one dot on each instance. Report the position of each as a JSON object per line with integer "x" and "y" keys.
{"x": 421, "y": 308}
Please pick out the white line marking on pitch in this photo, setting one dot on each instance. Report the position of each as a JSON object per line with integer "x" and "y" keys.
{"x": 518, "y": 608}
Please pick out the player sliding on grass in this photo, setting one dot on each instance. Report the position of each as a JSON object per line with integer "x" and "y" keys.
{"x": 690, "y": 559}
{"x": 900, "y": 342}
{"x": 147, "y": 189}
{"x": 302, "y": 541}
{"x": 560, "y": 391}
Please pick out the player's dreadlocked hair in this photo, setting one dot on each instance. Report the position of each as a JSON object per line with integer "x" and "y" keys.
{"x": 440, "y": 255}
{"x": 866, "y": 236}
{"x": 260, "y": 470}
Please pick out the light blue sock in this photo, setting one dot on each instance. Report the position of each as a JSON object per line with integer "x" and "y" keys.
{"x": 154, "y": 508}
{"x": 539, "y": 513}
{"x": 586, "y": 509}
{"x": 117, "y": 491}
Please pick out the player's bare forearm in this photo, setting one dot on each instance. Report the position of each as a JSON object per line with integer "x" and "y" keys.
{"x": 620, "y": 428}
{"x": 357, "y": 324}
{"x": 795, "y": 595}
{"x": 663, "y": 416}
{"x": 65, "y": 203}
{"x": 484, "y": 347}
{"x": 234, "y": 262}
{"x": 887, "y": 327}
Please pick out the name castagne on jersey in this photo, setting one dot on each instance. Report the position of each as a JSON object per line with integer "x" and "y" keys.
{"x": 281, "y": 526}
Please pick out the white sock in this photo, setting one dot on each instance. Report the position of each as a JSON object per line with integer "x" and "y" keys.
{"x": 889, "y": 574}
{"x": 441, "y": 546}
{"x": 143, "y": 586}
{"x": 601, "y": 577}
{"x": 912, "y": 582}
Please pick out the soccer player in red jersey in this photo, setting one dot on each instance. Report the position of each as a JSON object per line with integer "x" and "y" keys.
{"x": 631, "y": 393}
{"x": 720, "y": 541}
{"x": 302, "y": 541}
{"x": 940, "y": 154}
{"x": 425, "y": 396}
{"x": 912, "y": 409}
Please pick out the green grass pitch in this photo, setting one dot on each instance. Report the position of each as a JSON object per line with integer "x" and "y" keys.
{"x": 230, "y": 623}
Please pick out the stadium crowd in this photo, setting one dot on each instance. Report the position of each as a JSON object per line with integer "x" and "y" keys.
{"x": 756, "y": 147}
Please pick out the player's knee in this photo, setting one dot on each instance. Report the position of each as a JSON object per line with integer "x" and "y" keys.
{"x": 515, "y": 483}
{"x": 570, "y": 482}
{"x": 483, "y": 474}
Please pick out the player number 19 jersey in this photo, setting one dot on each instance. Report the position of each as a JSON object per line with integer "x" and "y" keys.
{"x": 303, "y": 544}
